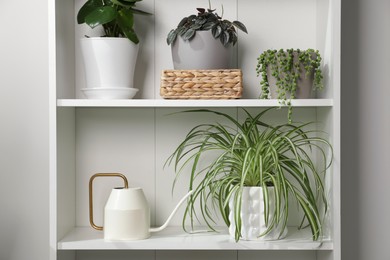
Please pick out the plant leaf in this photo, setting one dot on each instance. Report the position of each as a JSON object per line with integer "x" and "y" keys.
{"x": 216, "y": 31}
{"x": 131, "y": 35}
{"x": 88, "y": 8}
{"x": 188, "y": 34}
{"x": 126, "y": 21}
{"x": 123, "y": 3}
{"x": 171, "y": 36}
{"x": 224, "y": 38}
{"x": 137, "y": 11}
{"x": 182, "y": 22}
{"x": 200, "y": 20}
{"x": 233, "y": 38}
{"x": 240, "y": 26}
{"x": 196, "y": 26}
{"x": 208, "y": 26}
{"x": 100, "y": 16}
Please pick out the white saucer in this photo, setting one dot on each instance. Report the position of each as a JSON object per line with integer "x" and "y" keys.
{"x": 109, "y": 93}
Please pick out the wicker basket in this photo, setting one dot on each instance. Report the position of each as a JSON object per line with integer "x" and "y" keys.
{"x": 201, "y": 84}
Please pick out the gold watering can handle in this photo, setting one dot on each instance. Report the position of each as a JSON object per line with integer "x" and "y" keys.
{"x": 90, "y": 193}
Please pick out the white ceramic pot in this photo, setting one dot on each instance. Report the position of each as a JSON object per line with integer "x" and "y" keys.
{"x": 203, "y": 51}
{"x": 252, "y": 216}
{"x": 109, "y": 63}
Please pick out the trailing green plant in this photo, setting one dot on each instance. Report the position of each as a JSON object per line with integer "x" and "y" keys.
{"x": 286, "y": 67}
{"x": 205, "y": 20}
{"x": 253, "y": 153}
{"x": 116, "y": 17}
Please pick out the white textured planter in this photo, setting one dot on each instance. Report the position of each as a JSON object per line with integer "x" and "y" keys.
{"x": 203, "y": 51}
{"x": 252, "y": 216}
{"x": 109, "y": 63}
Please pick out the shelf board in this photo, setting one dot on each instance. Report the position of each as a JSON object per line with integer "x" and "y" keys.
{"x": 174, "y": 238}
{"x": 190, "y": 103}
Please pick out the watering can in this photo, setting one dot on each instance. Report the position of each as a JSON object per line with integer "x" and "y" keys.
{"x": 126, "y": 213}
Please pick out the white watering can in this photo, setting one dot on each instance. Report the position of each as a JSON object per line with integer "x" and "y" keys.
{"x": 126, "y": 213}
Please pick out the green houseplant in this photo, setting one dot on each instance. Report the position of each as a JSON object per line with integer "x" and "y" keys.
{"x": 116, "y": 17}
{"x": 207, "y": 20}
{"x": 207, "y": 36}
{"x": 289, "y": 74}
{"x": 110, "y": 60}
{"x": 253, "y": 153}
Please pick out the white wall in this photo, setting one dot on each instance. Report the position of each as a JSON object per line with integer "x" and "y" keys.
{"x": 365, "y": 129}
{"x": 24, "y": 196}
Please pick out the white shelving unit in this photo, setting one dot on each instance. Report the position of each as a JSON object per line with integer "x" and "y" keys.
{"x": 155, "y": 103}
{"x": 136, "y": 136}
{"x": 85, "y": 238}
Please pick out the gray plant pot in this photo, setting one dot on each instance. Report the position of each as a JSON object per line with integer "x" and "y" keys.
{"x": 201, "y": 52}
{"x": 304, "y": 83}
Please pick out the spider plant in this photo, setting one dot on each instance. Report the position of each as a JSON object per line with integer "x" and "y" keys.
{"x": 253, "y": 153}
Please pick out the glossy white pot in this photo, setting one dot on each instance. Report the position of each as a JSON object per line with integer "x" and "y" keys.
{"x": 252, "y": 215}
{"x": 127, "y": 212}
{"x": 109, "y": 62}
{"x": 203, "y": 51}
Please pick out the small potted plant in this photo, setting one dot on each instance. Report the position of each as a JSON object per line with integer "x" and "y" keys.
{"x": 289, "y": 74}
{"x": 204, "y": 41}
{"x": 257, "y": 168}
{"x": 110, "y": 59}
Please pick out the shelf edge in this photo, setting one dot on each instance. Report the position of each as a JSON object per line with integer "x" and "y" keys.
{"x": 155, "y": 103}
{"x": 83, "y": 238}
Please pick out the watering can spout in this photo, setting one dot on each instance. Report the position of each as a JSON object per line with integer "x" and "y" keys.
{"x": 157, "y": 229}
